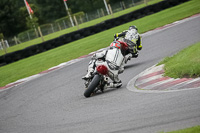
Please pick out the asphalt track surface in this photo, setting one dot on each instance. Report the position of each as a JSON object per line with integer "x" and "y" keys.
{"x": 54, "y": 102}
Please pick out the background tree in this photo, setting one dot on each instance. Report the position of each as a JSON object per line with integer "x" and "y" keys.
{"x": 8, "y": 17}
{"x": 31, "y": 23}
{"x": 25, "y": 18}
{"x": 13, "y": 16}
{"x": 50, "y": 10}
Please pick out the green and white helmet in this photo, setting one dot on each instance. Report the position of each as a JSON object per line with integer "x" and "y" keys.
{"x": 132, "y": 27}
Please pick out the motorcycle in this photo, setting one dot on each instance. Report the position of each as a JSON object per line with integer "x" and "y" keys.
{"x": 106, "y": 68}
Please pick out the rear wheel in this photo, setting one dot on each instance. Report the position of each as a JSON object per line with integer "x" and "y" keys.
{"x": 93, "y": 84}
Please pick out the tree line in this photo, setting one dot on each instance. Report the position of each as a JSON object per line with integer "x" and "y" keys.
{"x": 14, "y": 17}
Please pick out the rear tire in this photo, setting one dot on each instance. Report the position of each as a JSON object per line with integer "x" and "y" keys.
{"x": 93, "y": 84}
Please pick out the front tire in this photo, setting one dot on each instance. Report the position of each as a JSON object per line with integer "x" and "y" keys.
{"x": 93, "y": 84}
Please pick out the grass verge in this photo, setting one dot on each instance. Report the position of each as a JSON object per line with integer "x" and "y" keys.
{"x": 186, "y": 63}
{"x": 45, "y": 60}
{"x": 195, "y": 129}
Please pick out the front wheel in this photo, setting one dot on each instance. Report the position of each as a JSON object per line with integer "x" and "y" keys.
{"x": 93, "y": 84}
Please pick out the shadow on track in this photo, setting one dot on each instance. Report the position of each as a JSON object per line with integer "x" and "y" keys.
{"x": 107, "y": 91}
{"x": 139, "y": 63}
{"x": 133, "y": 65}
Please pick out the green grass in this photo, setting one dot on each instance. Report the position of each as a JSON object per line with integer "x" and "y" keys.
{"x": 195, "y": 129}
{"x": 68, "y": 30}
{"x": 186, "y": 63}
{"x": 43, "y": 61}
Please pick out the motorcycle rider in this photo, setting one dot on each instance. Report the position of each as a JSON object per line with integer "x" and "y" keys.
{"x": 133, "y": 39}
{"x": 114, "y": 56}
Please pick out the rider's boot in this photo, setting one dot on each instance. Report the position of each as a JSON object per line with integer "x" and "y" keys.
{"x": 90, "y": 70}
{"x": 88, "y": 75}
{"x": 115, "y": 84}
{"x": 134, "y": 55}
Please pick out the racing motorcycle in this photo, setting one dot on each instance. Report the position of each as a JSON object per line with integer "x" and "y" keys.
{"x": 106, "y": 68}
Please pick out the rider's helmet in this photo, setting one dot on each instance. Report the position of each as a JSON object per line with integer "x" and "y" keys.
{"x": 132, "y": 27}
{"x": 115, "y": 44}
